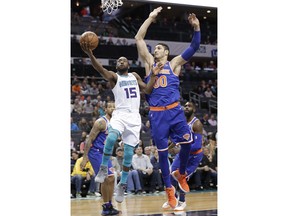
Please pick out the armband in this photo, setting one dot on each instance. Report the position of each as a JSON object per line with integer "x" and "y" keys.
{"x": 194, "y": 46}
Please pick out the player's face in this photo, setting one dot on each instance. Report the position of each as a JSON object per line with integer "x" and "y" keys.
{"x": 159, "y": 52}
{"x": 110, "y": 108}
{"x": 122, "y": 64}
{"x": 188, "y": 109}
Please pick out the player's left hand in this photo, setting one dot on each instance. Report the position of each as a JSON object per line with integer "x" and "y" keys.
{"x": 85, "y": 48}
{"x": 155, "y": 70}
{"x": 193, "y": 20}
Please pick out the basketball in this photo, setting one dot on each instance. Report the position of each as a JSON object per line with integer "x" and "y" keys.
{"x": 91, "y": 38}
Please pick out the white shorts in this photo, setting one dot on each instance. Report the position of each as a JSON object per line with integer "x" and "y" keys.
{"x": 128, "y": 124}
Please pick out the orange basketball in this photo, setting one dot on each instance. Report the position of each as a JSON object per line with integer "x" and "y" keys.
{"x": 91, "y": 38}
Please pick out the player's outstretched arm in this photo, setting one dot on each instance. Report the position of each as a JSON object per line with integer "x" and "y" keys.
{"x": 194, "y": 46}
{"x": 148, "y": 88}
{"x": 108, "y": 75}
{"x": 141, "y": 45}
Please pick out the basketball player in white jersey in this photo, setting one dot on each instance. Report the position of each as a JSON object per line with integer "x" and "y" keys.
{"x": 126, "y": 119}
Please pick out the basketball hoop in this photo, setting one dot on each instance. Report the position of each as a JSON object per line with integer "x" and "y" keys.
{"x": 110, "y": 5}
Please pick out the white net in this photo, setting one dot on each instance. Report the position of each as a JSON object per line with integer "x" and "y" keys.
{"x": 109, "y": 6}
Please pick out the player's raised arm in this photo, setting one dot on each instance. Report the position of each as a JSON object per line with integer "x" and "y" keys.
{"x": 108, "y": 75}
{"x": 194, "y": 46}
{"x": 141, "y": 45}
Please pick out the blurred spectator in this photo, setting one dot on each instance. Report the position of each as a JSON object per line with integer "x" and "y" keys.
{"x": 83, "y": 125}
{"x": 142, "y": 164}
{"x": 206, "y": 172}
{"x": 88, "y": 108}
{"x": 93, "y": 90}
{"x": 77, "y": 107}
{"x": 102, "y": 41}
{"x": 74, "y": 157}
{"x": 76, "y": 88}
{"x": 204, "y": 119}
{"x": 81, "y": 180}
{"x": 208, "y": 93}
{"x": 74, "y": 126}
{"x": 110, "y": 41}
{"x": 212, "y": 120}
{"x": 212, "y": 65}
{"x": 156, "y": 169}
{"x": 147, "y": 151}
{"x": 85, "y": 87}
{"x": 81, "y": 144}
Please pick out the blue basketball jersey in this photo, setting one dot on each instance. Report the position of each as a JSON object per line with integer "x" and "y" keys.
{"x": 96, "y": 150}
{"x": 195, "y": 145}
{"x": 166, "y": 88}
{"x": 98, "y": 143}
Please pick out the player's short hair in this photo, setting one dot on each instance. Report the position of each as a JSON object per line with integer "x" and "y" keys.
{"x": 166, "y": 47}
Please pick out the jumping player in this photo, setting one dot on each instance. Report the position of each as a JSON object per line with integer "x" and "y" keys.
{"x": 166, "y": 115}
{"x": 195, "y": 154}
{"x": 126, "y": 119}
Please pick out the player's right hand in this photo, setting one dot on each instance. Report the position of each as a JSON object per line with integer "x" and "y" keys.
{"x": 155, "y": 12}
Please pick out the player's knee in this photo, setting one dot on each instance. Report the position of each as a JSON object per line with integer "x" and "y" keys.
{"x": 111, "y": 138}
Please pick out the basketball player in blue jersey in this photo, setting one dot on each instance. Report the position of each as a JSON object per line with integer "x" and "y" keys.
{"x": 126, "y": 119}
{"x": 93, "y": 150}
{"x": 166, "y": 115}
{"x": 195, "y": 154}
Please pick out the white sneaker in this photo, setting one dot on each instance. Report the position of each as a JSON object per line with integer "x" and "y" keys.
{"x": 166, "y": 206}
{"x": 180, "y": 206}
{"x": 102, "y": 174}
{"x": 97, "y": 194}
{"x": 120, "y": 190}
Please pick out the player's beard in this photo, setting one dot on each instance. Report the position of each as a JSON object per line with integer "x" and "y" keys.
{"x": 188, "y": 114}
{"x": 122, "y": 70}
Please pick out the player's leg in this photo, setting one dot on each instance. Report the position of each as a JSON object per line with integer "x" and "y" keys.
{"x": 183, "y": 136}
{"x": 108, "y": 148}
{"x": 160, "y": 126}
{"x": 127, "y": 160}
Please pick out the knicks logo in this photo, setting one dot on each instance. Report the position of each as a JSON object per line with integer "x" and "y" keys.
{"x": 186, "y": 136}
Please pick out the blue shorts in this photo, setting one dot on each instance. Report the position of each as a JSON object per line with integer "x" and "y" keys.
{"x": 96, "y": 160}
{"x": 192, "y": 164}
{"x": 166, "y": 123}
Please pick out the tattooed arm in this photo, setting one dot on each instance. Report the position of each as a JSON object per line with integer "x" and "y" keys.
{"x": 99, "y": 126}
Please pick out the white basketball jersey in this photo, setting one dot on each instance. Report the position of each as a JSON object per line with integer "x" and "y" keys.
{"x": 127, "y": 93}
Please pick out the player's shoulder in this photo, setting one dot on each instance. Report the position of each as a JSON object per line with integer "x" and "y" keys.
{"x": 100, "y": 122}
{"x": 135, "y": 74}
{"x": 197, "y": 126}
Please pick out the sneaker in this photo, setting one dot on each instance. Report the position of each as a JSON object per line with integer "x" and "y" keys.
{"x": 181, "y": 180}
{"x": 102, "y": 174}
{"x": 180, "y": 213}
{"x": 109, "y": 210}
{"x": 181, "y": 206}
{"x": 120, "y": 190}
{"x": 166, "y": 206}
{"x": 97, "y": 194}
{"x": 172, "y": 201}
{"x": 90, "y": 193}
